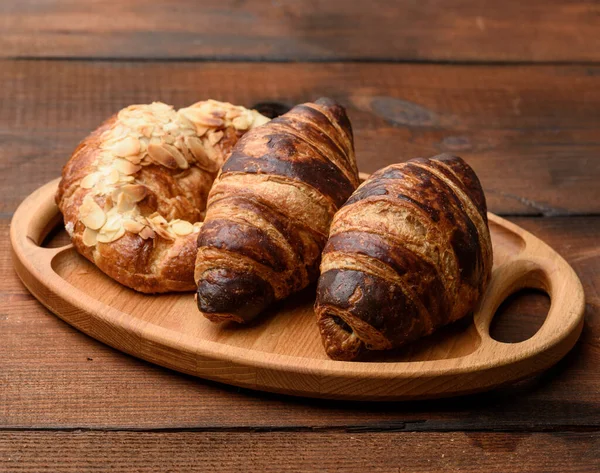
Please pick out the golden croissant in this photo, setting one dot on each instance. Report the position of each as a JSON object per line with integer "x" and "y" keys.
{"x": 410, "y": 251}
{"x": 134, "y": 192}
{"x": 270, "y": 208}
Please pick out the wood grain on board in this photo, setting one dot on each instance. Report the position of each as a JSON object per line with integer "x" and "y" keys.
{"x": 298, "y": 452}
{"x": 427, "y": 30}
{"x": 56, "y": 377}
{"x": 530, "y": 132}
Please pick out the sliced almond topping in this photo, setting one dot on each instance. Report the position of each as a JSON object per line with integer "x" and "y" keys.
{"x": 134, "y": 159}
{"x": 111, "y": 236}
{"x": 146, "y": 233}
{"x": 201, "y": 130}
{"x": 218, "y": 112}
{"x": 91, "y": 215}
{"x": 233, "y": 113}
{"x": 197, "y": 116}
{"x": 89, "y": 237}
{"x": 161, "y": 155}
{"x": 179, "y": 158}
{"x": 135, "y": 192}
{"x": 258, "y": 119}
{"x": 171, "y": 127}
{"x": 126, "y": 147}
{"x": 147, "y": 130}
{"x": 181, "y": 227}
{"x": 157, "y": 219}
{"x": 127, "y": 179}
{"x": 124, "y": 203}
{"x": 113, "y": 223}
{"x": 90, "y": 180}
{"x": 133, "y": 226}
{"x": 125, "y": 167}
{"x": 215, "y": 137}
{"x": 163, "y": 232}
{"x": 113, "y": 176}
{"x": 197, "y": 149}
{"x": 241, "y": 122}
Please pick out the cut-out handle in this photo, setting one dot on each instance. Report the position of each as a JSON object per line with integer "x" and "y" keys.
{"x": 552, "y": 275}
{"x": 35, "y": 218}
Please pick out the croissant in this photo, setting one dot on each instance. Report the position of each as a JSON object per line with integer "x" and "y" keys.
{"x": 410, "y": 251}
{"x": 134, "y": 192}
{"x": 270, "y": 208}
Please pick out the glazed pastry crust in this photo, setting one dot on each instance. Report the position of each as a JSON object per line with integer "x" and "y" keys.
{"x": 133, "y": 194}
{"x": 410, "y": 251}
{"x": 269, "y": 211}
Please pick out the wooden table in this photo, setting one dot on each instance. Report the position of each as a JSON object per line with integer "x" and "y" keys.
{"x": 512, "y": 86}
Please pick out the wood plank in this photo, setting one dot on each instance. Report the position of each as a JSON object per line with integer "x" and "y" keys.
{"x": 55, "y": 377}
{"x": 298, "y": 452}
{"x": 531, "y": 133}
{"x": 429, "y": 30}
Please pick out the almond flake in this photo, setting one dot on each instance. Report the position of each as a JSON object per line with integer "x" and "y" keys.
{"x": 157, "y": 219}
{"x": 90, "y": 214}
{"x": 164, "y": 233}
{"x": 124, "y": 203}
{"x": 126, "y": 147}
{"x": 135, "y": 192}
{"x": 161, "y": 155}
{"x": 215, "y": 137}
{"x": 218, "y": 112}
{"x": 259, "y": 119}
{"x": 201, "y": 130}
{"x": 133, "y": 226}
{"x": 197, "y": 149}
{"x": 179, "y": 158}
{"x": 90, "y": 180}
{"x": 125, "y": 167}
{"x": 134, "y": 159}
{"x": 196, "y": 116}
{"x": 241, "y": 123}
{"x": 111, "y": 236}
{"x": 89, "y": 237}
{"x": 113, "y": 176}
{"x": 181, "y": 227}
{"x": 146, "y": 233}
{"x": 147, "y": 130}
{"x": 113, "y": 223}
{"x": 233, "y": 113}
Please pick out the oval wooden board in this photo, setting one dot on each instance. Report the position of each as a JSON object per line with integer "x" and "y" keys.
{"x": 282, "y": 351}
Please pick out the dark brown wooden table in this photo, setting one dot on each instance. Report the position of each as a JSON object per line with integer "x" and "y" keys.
{"x": 512, "y": 86}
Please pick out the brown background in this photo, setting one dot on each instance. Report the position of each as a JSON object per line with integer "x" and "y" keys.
{"x": 512, "y": 86}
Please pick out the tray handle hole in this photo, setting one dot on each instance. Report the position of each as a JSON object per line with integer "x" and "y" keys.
{"x": 520, "y": 316}
{"x": 56, "y": 237}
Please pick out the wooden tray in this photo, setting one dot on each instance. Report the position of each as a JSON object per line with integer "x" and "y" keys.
{"x": 282, "y": 351}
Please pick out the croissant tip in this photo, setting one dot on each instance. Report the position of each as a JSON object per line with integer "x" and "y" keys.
{"x": 225, "y": 294}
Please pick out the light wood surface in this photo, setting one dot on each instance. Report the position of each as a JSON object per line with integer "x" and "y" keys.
{"x": 282, "y": 352}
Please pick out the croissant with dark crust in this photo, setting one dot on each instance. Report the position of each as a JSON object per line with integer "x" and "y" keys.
{"x": 134, "y": 192}
{"x": 270, "y": 208}
{"x": 409, "y": 252}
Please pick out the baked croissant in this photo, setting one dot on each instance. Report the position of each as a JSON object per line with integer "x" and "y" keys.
{"x": 410, "y": 251}
{"x": 134, "y": 192}
{"x": 269, "y": 210}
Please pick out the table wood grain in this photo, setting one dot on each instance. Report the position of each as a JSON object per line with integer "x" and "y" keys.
{"x": 513, "y": 87}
